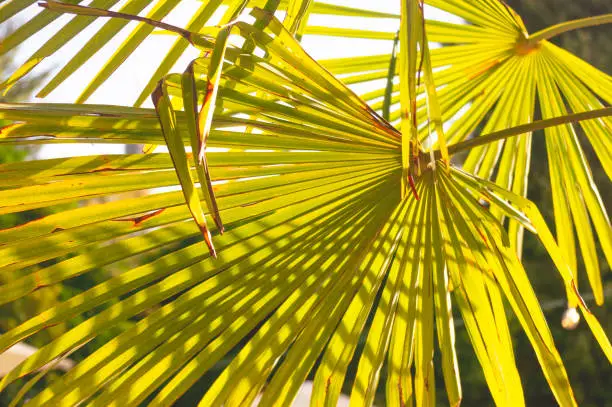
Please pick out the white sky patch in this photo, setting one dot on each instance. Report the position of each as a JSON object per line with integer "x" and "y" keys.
{"x": 164, "y": 149}
{"x": 71, "y": 150}
{"x": 161, "y": 190}
{"x": 177, "y": 187}
{"x": 255, "y": 178}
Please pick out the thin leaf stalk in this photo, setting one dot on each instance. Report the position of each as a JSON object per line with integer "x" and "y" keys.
{"x": 564, "y": 27}
{"x": 526, "y": 128}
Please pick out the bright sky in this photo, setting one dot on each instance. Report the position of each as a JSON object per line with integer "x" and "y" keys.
{"x": 125, "y": 84}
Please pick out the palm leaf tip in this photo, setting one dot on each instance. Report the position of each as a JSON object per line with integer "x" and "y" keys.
{"x": 170, "y": 130}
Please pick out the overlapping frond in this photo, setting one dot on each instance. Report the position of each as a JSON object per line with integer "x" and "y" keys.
{"x": 491, "y": 74}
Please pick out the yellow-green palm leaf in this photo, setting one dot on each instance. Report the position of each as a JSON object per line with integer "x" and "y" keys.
{"x": 491, "y": 74}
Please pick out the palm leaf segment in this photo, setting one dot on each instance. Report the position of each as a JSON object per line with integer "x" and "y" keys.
{"x": 510, "y": 75}
{"x": 491, "y": 48}
{"x": 330, "y": 171}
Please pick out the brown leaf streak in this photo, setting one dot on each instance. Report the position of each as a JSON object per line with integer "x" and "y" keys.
{"x": 8, "y": 128}
{"x": 575, "y": 289}
{"x": 413, "y": 187}
{"x": 137, "y": 220}
{"x": 405, "y": 114}
{"x": 484, "y": 68}
{"x": 380, "y": 123}
{"x": 98, "y": 12}
{"x": 486, "y": 242}
{"x": 46, "y": 326}
{"x": 385, "y": 127}
{"x": 213, "y": 200}
{"x": 38, "y": 282}
{"x": 157, "y": 94}
{"x": 103, "y": 169}
{"x": 208, "y": 240}
{"x": 147, "y": 216}
{"x": 209, "y": 90}
{"x": 401, "y": 394}
{"x": 204, "y": 135}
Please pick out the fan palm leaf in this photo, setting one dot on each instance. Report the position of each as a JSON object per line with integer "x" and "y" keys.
{"x": 492, "y": 74}
{"x": 490, "y": 48}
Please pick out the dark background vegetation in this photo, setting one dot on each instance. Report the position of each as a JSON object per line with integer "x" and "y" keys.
{"x": 589, "y": 371}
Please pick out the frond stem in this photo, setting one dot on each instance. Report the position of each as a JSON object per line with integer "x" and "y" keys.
{"x": 561, "y": 28}
{"x": 525, "y": 128}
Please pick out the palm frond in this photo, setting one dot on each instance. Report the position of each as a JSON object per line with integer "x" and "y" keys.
{"x": 491, "y": 48}
{"x": 511, "y": 75}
